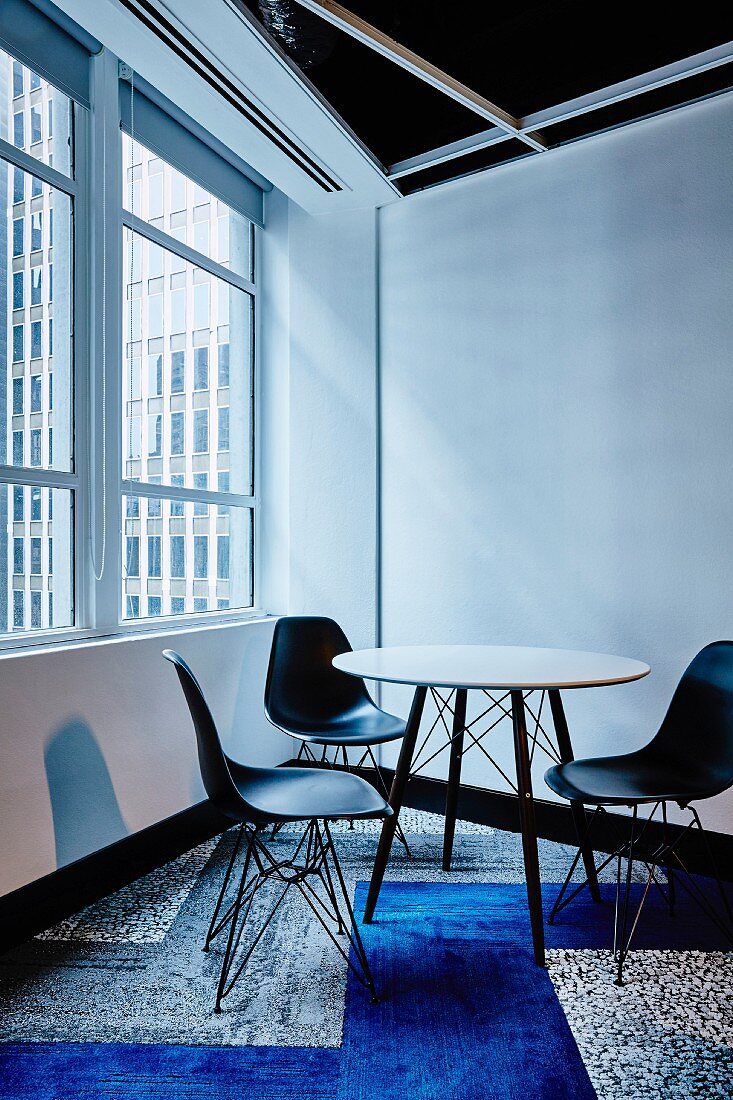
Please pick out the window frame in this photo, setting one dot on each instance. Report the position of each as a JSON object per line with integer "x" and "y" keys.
{"x": 97, "y": 474}
{"x": 76, "y": 187}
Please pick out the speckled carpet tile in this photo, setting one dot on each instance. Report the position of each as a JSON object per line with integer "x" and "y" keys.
{"x": 116, "y": 1001}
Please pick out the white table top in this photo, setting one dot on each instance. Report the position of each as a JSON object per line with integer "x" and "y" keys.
{"x": 489, "y": 666}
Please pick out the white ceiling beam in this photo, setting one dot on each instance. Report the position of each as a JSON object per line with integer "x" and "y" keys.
{"x": 444, "y": 153}
{"x": 626, "y": 89}
{"x": 412, "y": 63}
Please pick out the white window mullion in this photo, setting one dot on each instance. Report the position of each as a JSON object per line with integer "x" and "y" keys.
{"x": 105, "y": 318}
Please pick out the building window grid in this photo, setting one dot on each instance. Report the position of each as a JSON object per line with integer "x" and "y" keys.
{"x": 31, "y": 211}
{"x": 190, "y": 374}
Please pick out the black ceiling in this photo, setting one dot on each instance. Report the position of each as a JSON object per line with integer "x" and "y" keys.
{"x": 524, "y": 57}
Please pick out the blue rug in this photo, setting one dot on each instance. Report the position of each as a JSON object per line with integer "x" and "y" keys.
{"x": 465, "y": 1015}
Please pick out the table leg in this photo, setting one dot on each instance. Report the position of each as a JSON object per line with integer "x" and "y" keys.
{"x": 454, "y": 775}
{"x": 528, "y": 826}
{"x": 578, "y": 809}
{"x": 396, "y": 795}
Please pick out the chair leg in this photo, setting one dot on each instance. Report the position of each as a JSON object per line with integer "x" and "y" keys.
{"x": 313, "y": 862}
{"x": 667, "y": 867}
{"x": 226, "y": 962}
{"x": 622, "y": 941}
{"x": 210, "y": 933}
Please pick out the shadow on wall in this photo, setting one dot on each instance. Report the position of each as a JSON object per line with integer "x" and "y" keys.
{"x": 86, "y": 814}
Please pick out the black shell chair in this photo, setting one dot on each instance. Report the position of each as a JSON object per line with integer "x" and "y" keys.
{"x": 689, "y": 759}
{"x": 258, "y": 797}
{"x": 320, "y": 706}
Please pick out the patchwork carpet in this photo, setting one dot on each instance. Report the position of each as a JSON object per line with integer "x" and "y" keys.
{"x": 117, "y": 1001}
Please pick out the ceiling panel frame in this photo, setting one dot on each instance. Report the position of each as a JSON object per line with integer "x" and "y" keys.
{"x": 411, "y": 62}
{"x": 572, "y": 108}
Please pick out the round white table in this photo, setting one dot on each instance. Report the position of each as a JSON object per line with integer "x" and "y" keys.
{"x": 515, "y": 670}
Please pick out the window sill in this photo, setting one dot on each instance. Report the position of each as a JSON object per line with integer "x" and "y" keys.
{"x": 66, "y": 640}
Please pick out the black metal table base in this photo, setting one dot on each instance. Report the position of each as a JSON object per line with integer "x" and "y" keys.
{"x": 525, "y": 743}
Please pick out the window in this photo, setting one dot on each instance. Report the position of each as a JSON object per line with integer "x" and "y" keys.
{"x": 200, "y": 431}
{"x": 178, "y": 556}
{"x": 36, "y": 340}
{"x": 36, "y": 129}
{"x": 201, "y": 369}
{"x": 36, "y": 285}
{"x": 133, "y": 556}
{"x": 37, "y": 231}
{"x": 18, "y": 342}
{"x": 201, "y": 556}
{"x": 18, "y": 236}
{"x": 155, "y": 435}
{"x": 36, "y": 456}
{"x": 185, "y": 313}
{"x": 222, "y": 557}
{"x": 223, "y": 440}
{"x": 155, "y": 375}
{"x": 18, "y": 288}
{"x": 154, "y": 547}
{"x": 223, "y": 364}
{"x": 36, "y": 557}
{"x": 178, "y": 434}
{"x": 178, "y": 372}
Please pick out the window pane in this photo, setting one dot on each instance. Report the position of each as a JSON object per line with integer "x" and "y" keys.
{"x": 36, "y": 558}
{"x": 156, "y": 192}
{"x": 27, "y": 125}
{"x": 171, "y": 415}
{"x": 38, "y": 339}
{"x": 193, "y": 555}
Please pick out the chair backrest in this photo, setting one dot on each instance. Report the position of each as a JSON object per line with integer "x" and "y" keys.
{"x": 215, "y": 773}
{"x": 303, "y": 690}
{"x": 697, "y": 731}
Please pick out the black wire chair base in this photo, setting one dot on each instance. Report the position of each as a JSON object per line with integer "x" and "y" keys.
{"x": 314, "y": 871}
{"x": 305, "y": 753}
{"x": 664, "y": 855}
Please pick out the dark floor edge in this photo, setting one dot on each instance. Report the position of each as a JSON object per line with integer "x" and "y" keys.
{"x": 56, "y": 896}
{"x": 555, "y": 820}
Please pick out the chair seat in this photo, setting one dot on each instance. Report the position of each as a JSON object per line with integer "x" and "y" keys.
{"x": 298, "y": 794}
{"x": 368, "y": 726}
{"x": 637, "y": 777}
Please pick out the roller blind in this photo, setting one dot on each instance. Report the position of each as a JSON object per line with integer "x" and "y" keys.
{"x": 195, "y": 153}
{"x": 49, "y": 43}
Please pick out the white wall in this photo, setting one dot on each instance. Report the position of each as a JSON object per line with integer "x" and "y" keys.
{"x": 333, "y": 412}
{"x": 557, "y": 405}
{"x": 96, "y": 741}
